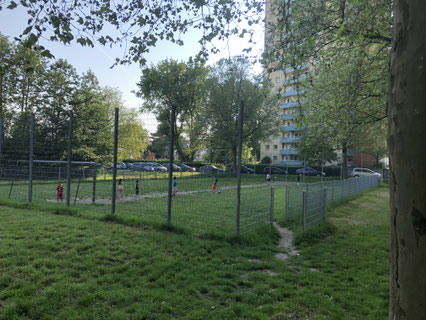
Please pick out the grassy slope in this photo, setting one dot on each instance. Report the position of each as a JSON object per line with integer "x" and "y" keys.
{"x": 64, "y": 267}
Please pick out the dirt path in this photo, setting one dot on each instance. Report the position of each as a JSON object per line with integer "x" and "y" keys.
{"x": 286, "y": 243}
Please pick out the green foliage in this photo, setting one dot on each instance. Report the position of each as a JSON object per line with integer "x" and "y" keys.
{"x": 266, "y": 160}
{"x": 230, "y": 83}
{"x": 139, "y": 24}
{"x": 179, "y": 85}
{"x": 347, "y": 46}
{"x": 29, "y": 83}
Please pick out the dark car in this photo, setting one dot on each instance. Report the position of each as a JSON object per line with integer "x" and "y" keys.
{"x": 272, "y": 170}
{"x": 141, "y": 166}
{"x": 186, "y": 168}
{"x": 176, "y": 168}
{"x": 209, "y": 169}
{"x": 310, "y": 172}
{"x": 157, "y": 167}
{"x": 244, "y": 169}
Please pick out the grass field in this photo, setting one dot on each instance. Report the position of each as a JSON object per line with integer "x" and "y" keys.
{"x": 55, "y": 266}
{"x": 195, "y": 207}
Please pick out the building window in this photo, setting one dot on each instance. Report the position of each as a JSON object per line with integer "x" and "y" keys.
{"x": 275, "y": 158}
{"x": 275, "y": 147}
{"x": 267, "y": 147}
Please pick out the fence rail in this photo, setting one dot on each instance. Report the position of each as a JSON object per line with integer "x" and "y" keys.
{"x": 306, "y": 203}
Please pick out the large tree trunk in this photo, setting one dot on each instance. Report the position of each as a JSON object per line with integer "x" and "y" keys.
{"x": 407, "y": 150}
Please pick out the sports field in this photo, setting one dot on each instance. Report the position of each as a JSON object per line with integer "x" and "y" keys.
{"x": 195, "y": 207}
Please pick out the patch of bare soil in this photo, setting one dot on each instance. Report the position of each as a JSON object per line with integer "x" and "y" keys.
{"x": 286, "y": 243}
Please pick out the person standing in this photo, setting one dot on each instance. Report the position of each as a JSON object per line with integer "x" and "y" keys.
{"x": 268, "y": 178}
{"x": 137, "y": 188}
{"x": 60, "y": 191}
{"x": 120, "y": 189}
{"x": 175, "y": 189}
{"x": 214, "y": 186}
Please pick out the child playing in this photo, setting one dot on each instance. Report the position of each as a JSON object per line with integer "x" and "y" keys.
{"x": 174, "y": 186}
{"x": 215, "y": 185}
{"x": 137, "y": 188}
{"x": 298, "y": 179}
{"x": 120, "y": 189}
{"x": 60, "y": 191}
{"x": 268, "y": 178}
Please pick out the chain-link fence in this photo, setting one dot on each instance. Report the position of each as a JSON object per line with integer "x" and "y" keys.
{"x": 306, "y": 203}
{"x": 56, "y": 174}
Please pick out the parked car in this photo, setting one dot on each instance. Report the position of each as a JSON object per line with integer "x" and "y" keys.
{"x": 272, "y": 170}
{"x": 120, "y": 166}
{"x": 358, "y": 172}
{"x": 310, "y": 172}
{"x": 176, "y": 168}
{"x": 244, "y": 169}
{"x": 209, "y": 169}
{"x": 186, "y": 168}
{"x": 141, "y": 166}
{"x": 157, "y": 167}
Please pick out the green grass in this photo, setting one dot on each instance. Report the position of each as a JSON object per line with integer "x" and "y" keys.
{"x": 60, "y": 265}
{"x": 195, "y": 208}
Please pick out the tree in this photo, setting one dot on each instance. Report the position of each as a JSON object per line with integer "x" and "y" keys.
{"x": 132, "y": 137}
{"x": 407, "y": 150}
{"x": 230, "y": 83}
{"x": 93, "y": 123}
{"x": 178, "y": 85}
{"x": 343, "y": 98}
{"x": 52, "y": 115}
{"x": 138, "y": 24}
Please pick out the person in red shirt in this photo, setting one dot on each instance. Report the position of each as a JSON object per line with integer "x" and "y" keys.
{"x": 60, "y": 191}
{"x": 214, "y": 186}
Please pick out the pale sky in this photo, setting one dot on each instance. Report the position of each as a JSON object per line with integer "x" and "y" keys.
{"x": 99, "y": 59}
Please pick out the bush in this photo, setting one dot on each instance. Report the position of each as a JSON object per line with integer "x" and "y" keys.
{"x": 266, "y": 160}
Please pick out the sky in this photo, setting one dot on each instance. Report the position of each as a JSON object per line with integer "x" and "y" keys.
{"x": 99, "y": 59}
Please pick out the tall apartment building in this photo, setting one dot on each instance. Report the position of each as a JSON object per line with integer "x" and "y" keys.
{"x": 283, "y": 149}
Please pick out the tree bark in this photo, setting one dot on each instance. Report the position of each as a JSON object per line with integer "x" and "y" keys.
{"x": 407, "y": 150}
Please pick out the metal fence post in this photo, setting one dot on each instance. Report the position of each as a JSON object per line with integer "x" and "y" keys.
{"x": 95, "y": 173}
{"x": 114, "y": 164}
{"x": 324, "y": 203}
{"x": 240, "y": 148}
{"x": 172, "y": 138}
{"x": 31, "y": 160}
{"x": 271, "y": 213}
{"x": 69, "y": 157}
{"x": 286, "y": 215}
{"x": 304, "y": 208}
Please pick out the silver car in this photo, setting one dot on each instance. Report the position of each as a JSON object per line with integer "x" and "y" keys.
{"x": 358, "y": 172}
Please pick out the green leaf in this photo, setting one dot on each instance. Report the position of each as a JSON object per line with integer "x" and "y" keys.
{"x": 12, "y": 5}
{"x": 27, "y": 30}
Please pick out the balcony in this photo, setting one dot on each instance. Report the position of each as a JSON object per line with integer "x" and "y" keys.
{"x": 290, "y": 104}
{"x": 287, "y": 117}
{"x": 291, "y": 163}
{"x": 292, "y": 92}
{"x": 289, "y": 151}
{"x": 292, "y": 127}
{"x": 290, "y": 139}
{"x": 292, "y": 81}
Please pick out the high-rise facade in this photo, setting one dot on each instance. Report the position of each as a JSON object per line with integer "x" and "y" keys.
{"x": 282, "y": 149}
